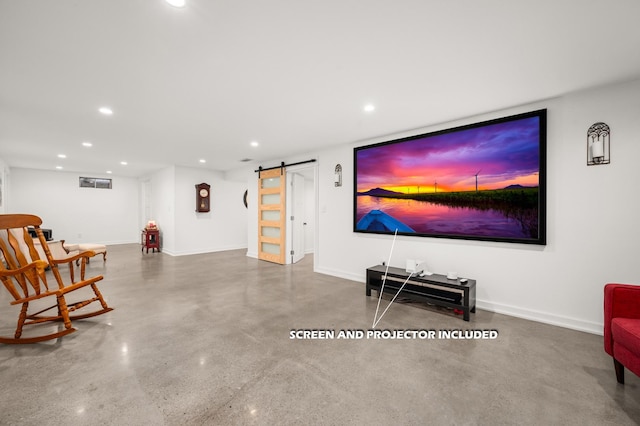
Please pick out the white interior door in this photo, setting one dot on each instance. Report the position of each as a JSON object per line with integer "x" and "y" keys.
{"x": 297, "y": 217}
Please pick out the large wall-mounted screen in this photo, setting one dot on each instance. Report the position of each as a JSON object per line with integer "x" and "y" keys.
{"x": 484, "y": 181}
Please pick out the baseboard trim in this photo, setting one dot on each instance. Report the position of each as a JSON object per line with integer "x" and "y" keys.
{"x": 543, "y": 317}
{"x": 106, "y": 243}
{"x": 254, "y": 255}
{"x": 339, "y": 274}
{"x": 210, "y": 250}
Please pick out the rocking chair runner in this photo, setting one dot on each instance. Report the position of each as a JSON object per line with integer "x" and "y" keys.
{"x": 22, "y": 272}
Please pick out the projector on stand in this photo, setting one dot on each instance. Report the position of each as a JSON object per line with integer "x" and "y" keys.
{"x": 417, "y": 267}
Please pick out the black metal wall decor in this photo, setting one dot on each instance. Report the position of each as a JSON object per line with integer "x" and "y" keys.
{"x": 338, "y": 175}
{"x": 598, "y": 145}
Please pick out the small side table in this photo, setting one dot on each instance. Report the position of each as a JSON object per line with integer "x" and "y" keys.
{"x": 150, "y": 239}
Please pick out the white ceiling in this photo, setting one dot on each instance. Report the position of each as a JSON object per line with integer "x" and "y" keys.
{"x": 206, "y": 80}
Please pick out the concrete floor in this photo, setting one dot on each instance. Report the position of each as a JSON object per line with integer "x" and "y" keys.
{"x": 204, "y": 340}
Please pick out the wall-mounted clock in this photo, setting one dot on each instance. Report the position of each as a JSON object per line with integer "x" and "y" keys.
{"x": 203, "y": 196}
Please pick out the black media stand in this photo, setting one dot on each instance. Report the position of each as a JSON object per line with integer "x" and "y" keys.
{"x": 436, "y": 289}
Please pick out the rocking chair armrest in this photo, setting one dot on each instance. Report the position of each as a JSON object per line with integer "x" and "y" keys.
{"x": 79, "y": 284}
{"x": 86, "y": 254}
{"x": 38, "y": 265}
{"x": 55, "y": 292}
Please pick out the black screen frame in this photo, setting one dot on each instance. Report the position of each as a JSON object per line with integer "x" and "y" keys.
{"x": 539, "y": 239}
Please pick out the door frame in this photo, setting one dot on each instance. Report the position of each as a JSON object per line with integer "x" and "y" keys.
{"x": 310, "y": 172}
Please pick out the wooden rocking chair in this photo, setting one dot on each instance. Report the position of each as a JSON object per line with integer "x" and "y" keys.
{"x": 22, "y": 272}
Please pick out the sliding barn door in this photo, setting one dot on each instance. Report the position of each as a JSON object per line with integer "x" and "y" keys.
{"x": 271, "y": 215}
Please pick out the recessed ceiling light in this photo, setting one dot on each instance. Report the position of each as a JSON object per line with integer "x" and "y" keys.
{"x": 254, "y": 144}
{"x": 87, "y": 144}
{"x": 59, "y": 167}
{"x": 62, "y": 156}
{"x": 177, "y": 3}
{"x": 109, "y": 172}
{"x": 106, "y": 111}
{"x": 202, "y": 160}
{"x": 124, "y": 163}
{"x": 369, "y": 107}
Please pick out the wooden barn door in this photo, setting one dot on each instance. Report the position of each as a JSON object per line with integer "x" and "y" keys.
{"x": 271, "y": 215}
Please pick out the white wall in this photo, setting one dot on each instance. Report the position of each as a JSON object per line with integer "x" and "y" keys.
{"x": 163, "y": 199}
{"x": 252, "y": 215}
{"x": 309, "y": 216}
{"x": 592, "y": 230}
{"x": 106, "y": 216}
{"x": 4, "y": 176}
{"x": 186, "y": 232}
{"x": 114, "y": 216}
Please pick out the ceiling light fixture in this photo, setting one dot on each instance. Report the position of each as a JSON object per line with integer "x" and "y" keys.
{"x": 369, "y": 107}
{"x": 124, "y": 163}
{"x": 59, "y": 167}
{"x": 202, "y": 160}
{"x": 87, "y": 144}
{"x": 109, "y": 172}
{"x": 254, "y": 144}
{"x": 105, "y": 110}
{"x": 62, "y": 156}
{"x": 176, "y": 3}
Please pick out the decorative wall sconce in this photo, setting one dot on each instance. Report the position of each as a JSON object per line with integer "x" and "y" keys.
{"x": 598, "y": 146}
{"x": 338, "y": 175}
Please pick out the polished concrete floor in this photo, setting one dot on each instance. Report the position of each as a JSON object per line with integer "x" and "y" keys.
{"x": 205, "y": 340}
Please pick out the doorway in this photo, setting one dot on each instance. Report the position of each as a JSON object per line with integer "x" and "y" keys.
{"x": 301, "y": 212}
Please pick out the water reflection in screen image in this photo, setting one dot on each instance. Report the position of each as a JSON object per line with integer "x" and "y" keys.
{"x": 423, "y": 217}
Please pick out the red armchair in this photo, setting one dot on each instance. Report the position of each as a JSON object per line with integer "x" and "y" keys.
{"x": 622, "y": 327}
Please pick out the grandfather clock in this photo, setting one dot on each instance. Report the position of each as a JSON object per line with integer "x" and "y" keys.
{"x": 202, "y": 198}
